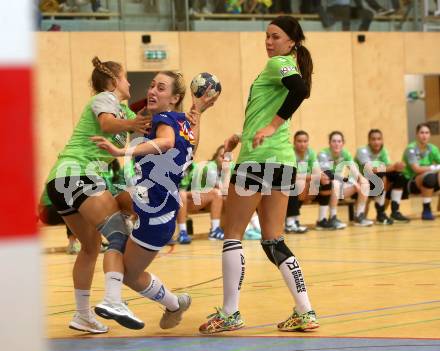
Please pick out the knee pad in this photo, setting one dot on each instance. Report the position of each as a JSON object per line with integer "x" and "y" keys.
{"x": 430, "y": 181}
{"x": 327, "y": 187}
{"x": 398, "y": 180}
{"x": 276, "y": 250}
{"x": 323, "y": 200}
{"x": 115, "y": 231}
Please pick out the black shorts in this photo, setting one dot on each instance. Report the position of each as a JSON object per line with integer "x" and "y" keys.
{"x": 67, "y": 194}
{"x": 264, "y": 177}
{"x": 412, "y": 187}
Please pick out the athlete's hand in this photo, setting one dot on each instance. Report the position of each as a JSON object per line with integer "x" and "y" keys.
{"x": 141, "y": 124}
{"x": 204, "y": 102}
{"x": 262, "y": 134}
{"x": 231, "y": 143}
{"x": 193, "y": 116}
{"x": 399, "y": 166}
{"x": 104, "y": 144}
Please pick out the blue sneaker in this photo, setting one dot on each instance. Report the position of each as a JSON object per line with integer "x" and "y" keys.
{"x": 427, "y": 215}
{"x": 183, "y": 237}
{"x": 252, "y": 234}
{"x": 216, "y": 234}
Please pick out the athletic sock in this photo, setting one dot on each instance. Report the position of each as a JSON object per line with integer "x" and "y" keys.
{"x": 113, "y": 286}
{"x": 233, "y": 268}
{"x": 156, "y": 291}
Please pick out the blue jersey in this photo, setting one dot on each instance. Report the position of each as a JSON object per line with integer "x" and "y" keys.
{"x": 159, "y": 175}
{"x": 156, "y": 197}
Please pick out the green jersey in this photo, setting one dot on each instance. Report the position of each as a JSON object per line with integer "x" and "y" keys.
{"x": 337, "y": 164}
{"x": 185, "y": 183}
{"x": 365, "y": 155}
{"x": 413, "y": 155}
{"x": 266, "y": 96}
{"x": 305, "y": 164}
{"x": 81, "y": 156}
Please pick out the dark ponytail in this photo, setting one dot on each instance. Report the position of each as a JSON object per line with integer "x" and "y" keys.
{"x": 305, "y": 64}
{"x": 293, "y": 29}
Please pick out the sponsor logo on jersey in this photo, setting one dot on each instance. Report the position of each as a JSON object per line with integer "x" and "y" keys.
{"x": 186, "y": 132}
{"x": 286, "y": 70}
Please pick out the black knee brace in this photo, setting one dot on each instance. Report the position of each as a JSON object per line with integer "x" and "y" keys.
{"x": 115, "y": 231}
{"x": 293, "y": 206}
{"x": 430, "y": 181}
{"x": 276, "y": 250}
{"x": 323, "y": 200}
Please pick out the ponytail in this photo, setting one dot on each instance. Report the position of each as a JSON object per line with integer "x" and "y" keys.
{"x": 305, "y": 63}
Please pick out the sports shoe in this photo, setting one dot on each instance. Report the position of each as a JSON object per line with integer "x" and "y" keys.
{"x": 295, "y": 227}
{"x": 324, "y": 224}
{"x": 361, "y": 221}
{"x": 216, "y": 234}
{"x": 427, "y": 214}
{"x": 87, "y": 324}
{"x": 120, "y": 313}
{"x": 171, "y": 319}
{"x": 397, "y": 216}
{"x": 219, "y": 321}
{"x": 184, "y": 238}
{"x": 73, "y": 247}
{"x": 336, "y": 223}
{"x": 385, "y": 12}
{"x": 299, "y": 322}
{"x": 382, "y": 218}
{"x": 252, "y": 234}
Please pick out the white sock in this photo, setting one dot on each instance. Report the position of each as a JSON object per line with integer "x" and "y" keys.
{"x": 182, "y": 226}
{"x": 323, "y": 210}
{"x": 380, "y": 200}
{"x": 333, "y": 211}
{"x": 292, "y": 274}
{"x": 215, "y": 223}
{"x": 156, "y": 291}
{"x": 113, "y": 286}
{"x": 290, "y": 220}
{"x": 233, "y": 267}
{"x": 427, "y": 200}
{"x": 255, "y": 222}
{"x": 360, "y": 208}
{"x": 82, "y": 299}
{"x": 396, "y": 195}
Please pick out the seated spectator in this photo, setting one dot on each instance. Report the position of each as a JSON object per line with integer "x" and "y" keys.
{"x": 422, "y": 168}
{"x": 234, "y": 6}
{"x": 258, "y": 6}
{"x": 374, "y": 159}
{"x": 66, "y": 6}
{"x": 344, "y": 11}
{"x": 306, "y": 161}
{"x": 335, "y": 162}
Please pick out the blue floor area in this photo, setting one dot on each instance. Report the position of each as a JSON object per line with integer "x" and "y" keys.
{"x": 243, "y": 344}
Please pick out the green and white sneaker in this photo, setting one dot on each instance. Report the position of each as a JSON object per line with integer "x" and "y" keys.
{"x": 299, "y": 322}
{"x": 219, "y": 321}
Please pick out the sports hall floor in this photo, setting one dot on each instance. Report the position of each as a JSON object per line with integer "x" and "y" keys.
{"x": 375, "y": 288}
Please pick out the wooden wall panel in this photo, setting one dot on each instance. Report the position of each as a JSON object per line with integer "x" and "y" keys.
{"x": 218, "y": 53}
{"x": 330, "y": 106}
{"x": 53, "y": 100}
{"x": 379, "y": 92}
{"x": 422, "y": 53}
{"x": 135, "y": 51}
{"x": 107, "y": 46}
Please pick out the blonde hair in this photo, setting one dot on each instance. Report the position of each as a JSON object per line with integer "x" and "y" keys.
{"x": 179, "y": 87}
{"x": 104, "y": 73}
